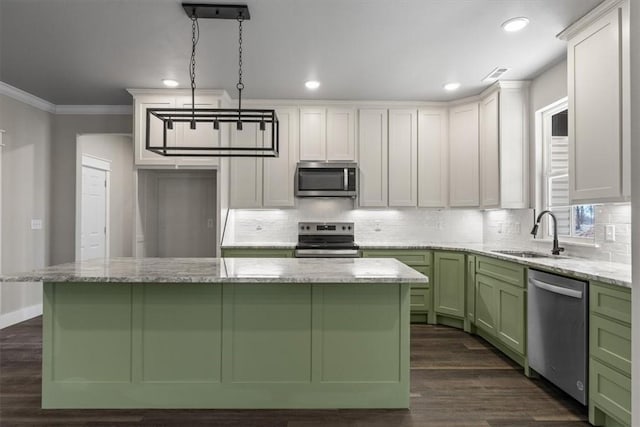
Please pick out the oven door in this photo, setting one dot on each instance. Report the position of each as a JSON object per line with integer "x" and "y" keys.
{"x": 326, "y": 180}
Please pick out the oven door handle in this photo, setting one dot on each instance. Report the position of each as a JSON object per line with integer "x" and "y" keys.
{"x": 345, "y": 179}
{"x": 557, "y": 289}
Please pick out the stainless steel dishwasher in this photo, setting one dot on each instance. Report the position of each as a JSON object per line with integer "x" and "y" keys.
{"x": 557, "y": 328}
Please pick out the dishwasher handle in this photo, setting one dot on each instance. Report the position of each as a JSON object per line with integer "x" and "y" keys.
{"x": 557, "y": 289}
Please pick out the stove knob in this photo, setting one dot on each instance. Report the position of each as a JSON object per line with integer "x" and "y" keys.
{"x": 343, "y": 227}
{"x": 308, "y": 227}
{"x": 349, "y": 227}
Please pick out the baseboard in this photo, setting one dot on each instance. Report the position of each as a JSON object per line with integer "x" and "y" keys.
{"x": 21, "y": 315}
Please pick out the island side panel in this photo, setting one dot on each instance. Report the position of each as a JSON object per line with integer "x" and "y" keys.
{"x": 226, "y": 346}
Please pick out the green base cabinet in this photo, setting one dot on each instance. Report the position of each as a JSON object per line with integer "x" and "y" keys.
{"x": 500, "y": 305}
{"x": 609, "y": 355}
{"x": 225, "y": 346}
{"x": 422, "y": 295}
{"x": 449, "y": 284}
{"x": 471, "y": 293}
{"x": 256, "y": 253}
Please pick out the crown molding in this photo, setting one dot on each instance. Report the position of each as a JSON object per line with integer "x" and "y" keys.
{"x": 591, "y": 16}
{"x": 44, "y": 105}
{"x": 94, "y": 109}
{"x": 26, "y": 98}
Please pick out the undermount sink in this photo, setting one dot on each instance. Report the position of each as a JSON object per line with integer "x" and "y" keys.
{"x": 523, "y": 254}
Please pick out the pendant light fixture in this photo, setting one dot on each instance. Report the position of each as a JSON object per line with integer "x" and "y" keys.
{"x": 212, "y": 117}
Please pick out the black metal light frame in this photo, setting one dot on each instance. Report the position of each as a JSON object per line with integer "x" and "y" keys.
{"x": 214, "y": 116}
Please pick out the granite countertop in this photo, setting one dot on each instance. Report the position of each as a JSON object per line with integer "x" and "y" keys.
{"x": 607, "y": 272}
{"x": 226, "y": 270}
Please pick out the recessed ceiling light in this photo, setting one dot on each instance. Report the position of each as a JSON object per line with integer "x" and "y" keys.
{"x": 515, "y": 24}
{"x": 170, "y": 83}
{"x": 452, "y": 86}
{"x": 312, "y": 84}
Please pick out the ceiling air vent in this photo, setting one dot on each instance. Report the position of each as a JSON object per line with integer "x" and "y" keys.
{"x": 495, "y": 74}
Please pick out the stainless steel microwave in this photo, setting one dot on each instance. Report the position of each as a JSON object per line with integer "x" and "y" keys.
{"x": 326, "y": 179}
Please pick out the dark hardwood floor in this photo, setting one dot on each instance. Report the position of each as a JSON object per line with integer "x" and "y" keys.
{"x": 456, "y": 380}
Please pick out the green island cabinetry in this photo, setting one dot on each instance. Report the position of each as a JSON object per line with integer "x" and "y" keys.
{"x": 609, "y": 355}
{"x": 449, "y": 288}
{"x": 256, "y": 253}
{"x": 421, "y": 295}
{"x": 500, "y": 306}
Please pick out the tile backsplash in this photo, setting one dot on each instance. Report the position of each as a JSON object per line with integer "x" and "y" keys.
{"x": 499, "y": 228}
{"x": 406, "y": 226}
{"x": 511, "y": 228}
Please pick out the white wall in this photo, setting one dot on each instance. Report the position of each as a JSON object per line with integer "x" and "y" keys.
{"x": 118, "y": 150}
{"x": 25, "y": 196}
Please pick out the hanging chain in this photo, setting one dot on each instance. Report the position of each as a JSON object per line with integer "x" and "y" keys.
{"x": 240, "y": 85}
{"x": 195, "y": 36}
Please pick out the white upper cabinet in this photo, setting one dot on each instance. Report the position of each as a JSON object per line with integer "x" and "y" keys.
{"x": 433, "y": 156}
{"x": 599, "y": 119}
{"x": 464, "y": 176}
{"x": 181, "y": 135}
{"x": 279, "y": 172}
{"x": 313, "y": 134}
{"x": 327, "y": 134}
{"x": 489, "y": 152}
{"x": 245, "y": 173}
{"x": 373, "y": 149}
{"x": 403, "y": 159}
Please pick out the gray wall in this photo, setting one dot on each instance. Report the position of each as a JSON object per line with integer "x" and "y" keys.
{"x": 118, "y": 149}
{"x": 25, "y": 196}
{"x": 63, "y": 174}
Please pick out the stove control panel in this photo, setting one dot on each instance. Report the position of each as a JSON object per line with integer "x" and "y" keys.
{"x": 326, "y": 228}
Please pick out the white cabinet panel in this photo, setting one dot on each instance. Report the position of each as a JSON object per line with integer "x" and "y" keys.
{"x": 373, "y": 147}
{"x": 340, "y": 134}
{"x": 433, "y": 136}
{"x": 202, "y": 136}
{"x": 514, "y": 145}
{"x": 598, "y": 136}
{"x": 313, "y": 134}
{"x": 403, "y": 160}
{"x": 464, "y": 188}
{"x": 142, "y": 155}
{"x": 279, "y": 172}
{"x": 490, "y": 152}
{"x": 245, "y": 177}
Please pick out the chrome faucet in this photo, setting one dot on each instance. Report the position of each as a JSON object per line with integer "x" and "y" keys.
{"x": 556, "y": 248}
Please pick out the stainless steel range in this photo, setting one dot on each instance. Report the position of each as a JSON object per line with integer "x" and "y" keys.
{"x": 326, "y": 240}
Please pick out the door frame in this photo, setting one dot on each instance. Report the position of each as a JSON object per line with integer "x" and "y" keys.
{"x": 87, "y": 160}
{"x": 1, "y": 148}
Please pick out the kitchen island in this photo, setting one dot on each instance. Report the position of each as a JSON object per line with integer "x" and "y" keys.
{"x": 226, "y": 333}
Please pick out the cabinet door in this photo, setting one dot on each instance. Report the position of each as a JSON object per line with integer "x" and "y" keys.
{"x": 514, "y": 146}
{"x": 403, "y": 161}
{"x": 144, "y": 156}
{"x": 464, "y": 176}
{"x": 313, "y": 140}
{"x": 341, "y": 140}
{"x": 595, "y": 64}
{"x": 433, "y": 136}
{"x": 279, "y": 172}
{"x": 510, "y": 316}
{"x": 372, "y": 164}
{"x": 245, "y": 179}
{"x": 486, "y": 303}
{"x": 449, "y": 278}
{"x": 202, "y": 136}
{"x": 471, "y": 288}
{"x": 489, "y": 152}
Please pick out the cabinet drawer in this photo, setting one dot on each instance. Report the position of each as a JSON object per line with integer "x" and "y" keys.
{"x": 420, "y": 300}
{"x": 611, "y": 343}
{"x": 408, "y": 257}
{"x": 257, "y": 253}
{"x": 611, "y": 302}
{"x": 610, "y": 391}
{"x": 504, "y": 271}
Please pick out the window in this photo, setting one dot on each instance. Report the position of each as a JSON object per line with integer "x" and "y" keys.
{"x": 573, "y": 220}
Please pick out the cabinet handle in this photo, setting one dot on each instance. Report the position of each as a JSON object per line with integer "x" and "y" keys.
{"x": 557, "y": 289}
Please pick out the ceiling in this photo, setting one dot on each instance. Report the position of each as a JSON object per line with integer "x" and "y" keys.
{"x": 88, "y": 51}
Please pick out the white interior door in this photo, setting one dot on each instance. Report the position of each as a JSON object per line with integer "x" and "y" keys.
{"x": 94, "y": 206}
